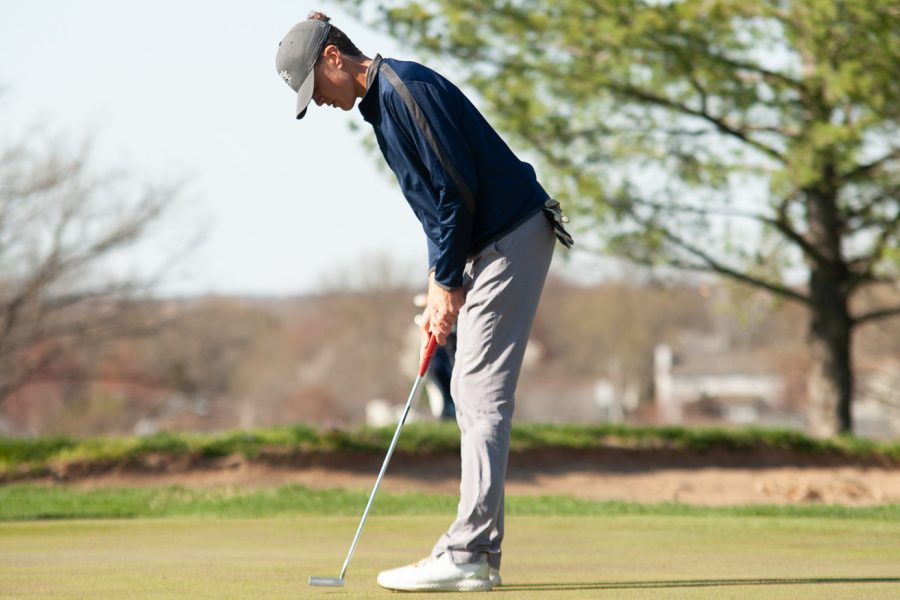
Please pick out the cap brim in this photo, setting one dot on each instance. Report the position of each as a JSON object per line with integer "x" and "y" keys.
{"x": 304, "y": 94}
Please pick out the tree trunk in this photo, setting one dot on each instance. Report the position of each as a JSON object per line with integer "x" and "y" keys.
{"x": 830, "y": 384}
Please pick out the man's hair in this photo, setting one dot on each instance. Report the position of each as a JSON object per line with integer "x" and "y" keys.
{"x": 336, "y": 37}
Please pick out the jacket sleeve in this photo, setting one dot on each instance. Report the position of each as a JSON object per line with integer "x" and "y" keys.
{"x": 454, "y": 217}
{"x": 433, "y": 252}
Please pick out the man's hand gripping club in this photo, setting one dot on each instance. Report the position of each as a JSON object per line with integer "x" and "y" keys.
{"x": 441, "y": 310}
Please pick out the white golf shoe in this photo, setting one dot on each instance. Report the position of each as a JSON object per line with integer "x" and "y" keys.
{"x": 438, "y": 574}
{"x": 494, "y": 576}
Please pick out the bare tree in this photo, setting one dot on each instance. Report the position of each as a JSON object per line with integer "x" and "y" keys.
{"x": 64, "y": 232}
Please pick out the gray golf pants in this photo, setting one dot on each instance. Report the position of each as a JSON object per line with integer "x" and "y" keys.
{"x": 503, "y": 285}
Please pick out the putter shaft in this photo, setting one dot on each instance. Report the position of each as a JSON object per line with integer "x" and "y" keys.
{"x": 384, "y": 465}
{"x": 423, "y": 368}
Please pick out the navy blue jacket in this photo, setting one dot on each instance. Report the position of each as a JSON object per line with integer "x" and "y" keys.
{"x": 503, "y": 189}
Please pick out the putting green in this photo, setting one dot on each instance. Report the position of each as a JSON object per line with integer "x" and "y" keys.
{"x": 635, "y": 556}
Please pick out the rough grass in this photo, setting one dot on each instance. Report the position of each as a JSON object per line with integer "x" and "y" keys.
{"x": 34, "y": 455}
{"x": 575, "y": 558}
{"x": 31, "y": 502}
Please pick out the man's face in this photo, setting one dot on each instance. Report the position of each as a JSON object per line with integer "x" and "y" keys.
{"x": 334, "y": 86}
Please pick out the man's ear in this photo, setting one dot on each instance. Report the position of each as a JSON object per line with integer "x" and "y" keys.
{"x": 333, "y": 55}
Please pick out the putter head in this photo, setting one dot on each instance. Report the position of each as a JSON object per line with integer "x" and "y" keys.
{"x": 326, "y": 581}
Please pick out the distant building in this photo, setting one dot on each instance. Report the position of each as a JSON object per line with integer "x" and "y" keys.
{"x": 732, "y": 386}
{"x": 876, "y": 407}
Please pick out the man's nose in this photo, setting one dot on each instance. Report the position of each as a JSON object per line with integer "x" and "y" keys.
{"x": 318, "y": 100}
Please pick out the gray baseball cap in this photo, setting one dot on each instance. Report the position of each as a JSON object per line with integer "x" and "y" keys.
{"x": 297, "y": 55}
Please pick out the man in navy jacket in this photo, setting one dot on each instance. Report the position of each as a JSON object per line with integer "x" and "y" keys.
{"x": 490, "y": 228}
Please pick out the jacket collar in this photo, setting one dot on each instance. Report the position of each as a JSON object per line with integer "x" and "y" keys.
{"x": 368, "y": 106}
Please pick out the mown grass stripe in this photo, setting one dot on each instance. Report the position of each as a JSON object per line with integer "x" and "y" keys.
{"x": 30, "y": 502}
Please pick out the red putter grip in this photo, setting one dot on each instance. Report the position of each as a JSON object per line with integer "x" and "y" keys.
{"x": 426, "y": 357}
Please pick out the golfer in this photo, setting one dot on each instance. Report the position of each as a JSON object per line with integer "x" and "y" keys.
{"x": 490, "y": 228}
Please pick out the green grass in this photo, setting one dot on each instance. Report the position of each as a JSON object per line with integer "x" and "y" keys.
{"x": 33, "y": 456}
{"x": 29, "y": 502}
{"x": 574, "y": 558}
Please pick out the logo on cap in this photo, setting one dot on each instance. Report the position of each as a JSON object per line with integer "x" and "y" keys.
{"x": 286, "y": 76}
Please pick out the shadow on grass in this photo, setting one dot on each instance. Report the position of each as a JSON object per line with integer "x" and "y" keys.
{"x": 688, "y": 583}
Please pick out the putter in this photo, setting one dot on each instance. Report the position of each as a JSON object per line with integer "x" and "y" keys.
{"x": 423, "y": 367}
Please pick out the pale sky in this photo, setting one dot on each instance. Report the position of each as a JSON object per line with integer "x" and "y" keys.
{"x": 171, "y": 88}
